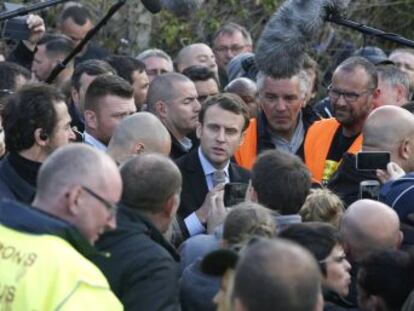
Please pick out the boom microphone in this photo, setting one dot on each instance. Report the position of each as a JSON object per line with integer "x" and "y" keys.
{"x": 283, "y": 43}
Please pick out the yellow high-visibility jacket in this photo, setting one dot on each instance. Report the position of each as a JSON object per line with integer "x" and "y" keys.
{"x": 40, "y": 272}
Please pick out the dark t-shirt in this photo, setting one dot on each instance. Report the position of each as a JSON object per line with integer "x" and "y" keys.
{"x": 340, "y": 144}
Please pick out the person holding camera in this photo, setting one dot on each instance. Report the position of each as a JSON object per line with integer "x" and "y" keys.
{"x": 24, "y": 52}
{"x": 387, "y": 129}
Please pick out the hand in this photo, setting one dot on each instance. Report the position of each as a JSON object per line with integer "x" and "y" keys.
{"x": 217, "y": 213}
{"x": 210, "y": 200}
{"x": 250, "y": 195}
{"x": 393, "y": 172}
{"x": 37, "y": 28}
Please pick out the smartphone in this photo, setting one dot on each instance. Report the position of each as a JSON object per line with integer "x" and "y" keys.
{"x": 369, "y": 189}
{"x": 234, "y": 193}
{"x": 372, "y": 160}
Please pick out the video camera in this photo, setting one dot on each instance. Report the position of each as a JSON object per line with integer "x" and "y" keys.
{"x": 14, "y": 28}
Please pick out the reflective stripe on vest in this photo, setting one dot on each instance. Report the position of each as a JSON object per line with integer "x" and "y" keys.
{"x": 318, "y": 142}
{"x": 42, "y": 272}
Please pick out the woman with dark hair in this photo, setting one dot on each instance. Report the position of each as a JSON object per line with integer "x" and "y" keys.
{"x": 323, "y": 241}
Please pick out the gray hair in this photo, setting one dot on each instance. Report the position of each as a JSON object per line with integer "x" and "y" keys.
{"x": 394, "y": 76}
{"x": 155, "y": 53}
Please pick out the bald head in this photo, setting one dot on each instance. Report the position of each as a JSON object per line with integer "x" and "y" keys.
{"x": 242, "y": 86}
{"x": 368, "y": 226}
{"x": 290, "y": 273}
{"x": 247, "y": 90}
{"x": 73, "y": 184}
{"x": 165, "y": 88}
{"x": 74, "y": 164}
{"x": 196, "y": 54}
{"x": 386, "y": 129}
{"x": 139, "y": 133}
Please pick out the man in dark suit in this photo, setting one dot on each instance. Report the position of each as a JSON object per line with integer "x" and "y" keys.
{"x": 223, "y": 120}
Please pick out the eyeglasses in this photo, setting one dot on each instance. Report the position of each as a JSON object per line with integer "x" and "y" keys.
{"x": 111, "y": 207}
{"x": 349, "y": 97}
{"x": 6, "y": 92}
{"x": 338, "y": 259}
{"x": 234, "y": 49}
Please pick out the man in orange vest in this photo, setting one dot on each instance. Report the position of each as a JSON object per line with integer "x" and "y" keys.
{"x": 284, "y": 119}
{"x": 353, "y": 94}
{"x": 387, "y": 128}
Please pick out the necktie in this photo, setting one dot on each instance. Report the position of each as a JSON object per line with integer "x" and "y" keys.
{"x": 219, "y": 177}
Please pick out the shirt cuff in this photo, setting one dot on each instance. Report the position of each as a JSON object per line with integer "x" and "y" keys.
{"x": 193, "y": 224}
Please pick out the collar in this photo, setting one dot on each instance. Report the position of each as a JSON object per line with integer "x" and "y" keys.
{"x": 25, "y": 168}
{"x": 90, "y": 140}
{"x": 134, "y": 221}
{"x": 207, "y": 167}
{"x": 22, "y": 190}
{"x": 186, "y": 143}
{"x": 31, "y": 220}
{"x": 295, "y": 141}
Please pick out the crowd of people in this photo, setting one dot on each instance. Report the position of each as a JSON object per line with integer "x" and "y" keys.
{"x": 198, "y": 182}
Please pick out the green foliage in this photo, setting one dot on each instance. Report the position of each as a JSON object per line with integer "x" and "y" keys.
{"x": 171, "y": 32}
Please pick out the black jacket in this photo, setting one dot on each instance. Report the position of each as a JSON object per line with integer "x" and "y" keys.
{"x": 333, "y": 302}
{"x": 143, "y": 267}
{"x": 177, "y": 149}
{"x": 264, "y": 141}
{"x": 13, "y": 186}
{"x": 345, "y": 181}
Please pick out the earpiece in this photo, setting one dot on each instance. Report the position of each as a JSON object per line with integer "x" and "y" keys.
{"x": 43, "y": 136}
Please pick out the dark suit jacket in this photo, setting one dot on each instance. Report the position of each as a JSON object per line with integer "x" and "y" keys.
{"x": 195, "y": 188}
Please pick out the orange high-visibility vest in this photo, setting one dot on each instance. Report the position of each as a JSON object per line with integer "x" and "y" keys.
{"x": 318, "y": 142}
{"x": 247, "y": 152}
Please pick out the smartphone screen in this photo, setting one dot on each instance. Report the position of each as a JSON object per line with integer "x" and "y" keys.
{"x": 369, "y": 189}
{"x": 368, "y": 160}
{"x": 234, "y": 193}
